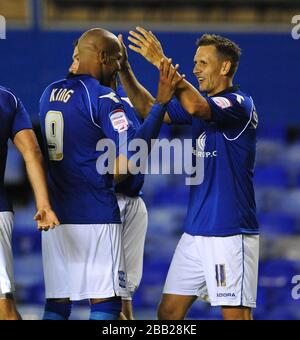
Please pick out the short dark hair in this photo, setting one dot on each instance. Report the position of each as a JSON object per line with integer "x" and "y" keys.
{"x": 225, "y": 47}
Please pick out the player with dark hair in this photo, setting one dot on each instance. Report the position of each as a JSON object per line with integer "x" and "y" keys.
{"x": 87, "y": 259}
{"x": 16, "y": 125}
{"x": 217, "y": 256}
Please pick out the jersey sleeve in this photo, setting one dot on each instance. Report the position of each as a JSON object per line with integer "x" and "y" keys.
{"x": 230, "y": 109}
{"x": 178, "y": 114}
{"x": 112, "y": 118}
{"x": 21, "y": 120}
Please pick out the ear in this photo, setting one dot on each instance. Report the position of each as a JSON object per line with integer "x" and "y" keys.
{"x": 226, "y": 67}
{"x": 103, "y": 57}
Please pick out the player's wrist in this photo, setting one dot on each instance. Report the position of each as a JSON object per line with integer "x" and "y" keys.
{"x": 43, "y": 206}
{"x": 125, "y": 67}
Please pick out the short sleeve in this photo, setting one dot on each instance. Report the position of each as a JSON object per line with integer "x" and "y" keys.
{"x": 230, "y": 109}
{"x": 177, "y": 114}
{"x": 112, "y": 118}
{"x": 21, "y": 120}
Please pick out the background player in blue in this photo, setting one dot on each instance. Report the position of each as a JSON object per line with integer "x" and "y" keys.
{"x": 217, "y": 256}
{"x": 133, "y": 210}
{"x": 16, "y": 125}
{"x": 76, "y": 114}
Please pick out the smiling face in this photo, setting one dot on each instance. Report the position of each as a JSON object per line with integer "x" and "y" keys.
{"x": 209, "y": 69}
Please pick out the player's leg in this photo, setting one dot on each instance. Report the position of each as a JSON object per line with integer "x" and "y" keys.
{"x": 185, "y": 281}
{"x": 174, "y": 307}
{"x": 96, "y": 271}
{"x": 135, "y": 221}
{"x": 8, "y": 309}
{"x": 58, "y": 305}
{"x": 231, "y": 271}
{"x": 106, "y": 309}
{"x": 57, "y": 309}
{"x": 237, "y": 313}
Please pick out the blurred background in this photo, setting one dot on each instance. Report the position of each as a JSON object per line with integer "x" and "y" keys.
{"x": 38, "y": 50}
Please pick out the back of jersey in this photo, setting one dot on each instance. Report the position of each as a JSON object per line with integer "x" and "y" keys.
{"x": 71, "y": 130}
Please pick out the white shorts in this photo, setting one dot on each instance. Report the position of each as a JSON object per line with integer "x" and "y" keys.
{"x": 7, "y": 285}
{"x": 84, "y": 262}
{"x": 219, "y": 270}
{"x": 134, "y": 217}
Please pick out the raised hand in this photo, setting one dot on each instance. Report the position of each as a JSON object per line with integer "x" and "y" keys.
{"x": 124, "y": 59}
{"x": 146, "y": 44}
{"x": 46, "y": 219}
{"x": 168, "y": 82}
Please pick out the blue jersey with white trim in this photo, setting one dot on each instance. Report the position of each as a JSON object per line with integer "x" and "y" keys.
{"x": 77, "y": 115}
{"x": 133, "y": 184}
{"x": 14, "y": 119}
{"x": 223, "y": 203}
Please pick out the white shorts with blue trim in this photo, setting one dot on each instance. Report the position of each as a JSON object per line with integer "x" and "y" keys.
{"x": 7, "y": 285}
{"x": 219, "y": 270}
{"x": 84, "y": 262}
{"x": 134, "y": 218}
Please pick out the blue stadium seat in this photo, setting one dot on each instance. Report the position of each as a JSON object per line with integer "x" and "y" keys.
{"x": 278, "y": 223}
{"x": 271, "y": 176}
{"x": 274, "y": 132}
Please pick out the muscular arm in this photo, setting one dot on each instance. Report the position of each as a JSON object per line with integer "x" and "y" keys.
{"x": 192, "y": 101}
{"x": 150, "y": 48}
{"x": 141, "y": 99}
{"x": 27, "y": 144}
{"x": 149, "y": 130}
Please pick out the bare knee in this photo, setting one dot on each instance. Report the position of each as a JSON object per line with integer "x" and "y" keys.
{"x": 237, "y": 313}
{"x": 169, "y": 311}
{"x": 174, "y": 307}
{"x": 8, "y": 310}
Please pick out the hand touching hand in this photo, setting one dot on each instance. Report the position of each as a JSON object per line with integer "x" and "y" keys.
{"x": 168, "y": 82}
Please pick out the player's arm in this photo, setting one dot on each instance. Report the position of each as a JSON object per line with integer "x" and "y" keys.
{"x": 141, "y": 99}
{"x": 149, "y": 130}
{"x": 27, "y": 144}
{"x": 146, "y": 44}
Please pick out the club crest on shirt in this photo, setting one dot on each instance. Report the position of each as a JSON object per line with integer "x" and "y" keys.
{"x": 119, "y": 120}
{"x": 202, "y": 141}
{"x": 222, "y": 102}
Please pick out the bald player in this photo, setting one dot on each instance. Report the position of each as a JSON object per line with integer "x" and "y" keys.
{"x": 16, "y": 125}
{"x": 134, "y": 215}
{"x": 85, "y": 259}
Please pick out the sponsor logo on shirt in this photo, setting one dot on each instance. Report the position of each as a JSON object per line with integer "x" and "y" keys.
{"x": 201, "y": 144}
{"x": 119, "y": 120}
{"x": 222, "y": 102}
{"x": 201, "y": 141}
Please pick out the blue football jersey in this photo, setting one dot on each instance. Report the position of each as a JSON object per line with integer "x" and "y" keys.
{"x": 14, "y": 119}
{"x": 76, "y": 114}
{"x": 133, "y": 184}
{"x": 223, "y": 204}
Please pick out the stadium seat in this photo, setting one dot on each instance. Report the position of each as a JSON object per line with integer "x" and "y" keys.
{"x": 278, "y": 223}
{"x": 271, "y": 175}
